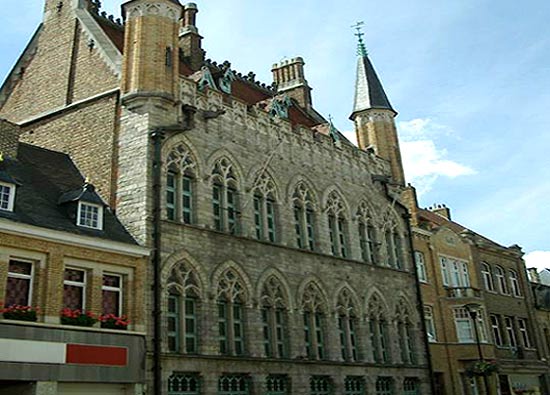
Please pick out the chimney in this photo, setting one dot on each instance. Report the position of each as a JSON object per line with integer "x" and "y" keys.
{"x": 190, "y": 39}
{"x": 441, "y": 210}
{"x": 288, "y": 76}
{"x": 533, "y": 275}
{"x": 9, "y": 139}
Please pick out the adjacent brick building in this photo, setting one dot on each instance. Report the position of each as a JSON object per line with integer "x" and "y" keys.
{"x": 462, "y": 271}
{"x": 282, "y": 253}
{"x": 63, "y": 250}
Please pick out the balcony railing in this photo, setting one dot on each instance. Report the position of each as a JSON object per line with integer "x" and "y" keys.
{"x": 463, "y": 292}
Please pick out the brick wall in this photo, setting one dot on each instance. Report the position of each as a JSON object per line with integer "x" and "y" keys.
{"x": 9, "y": 138}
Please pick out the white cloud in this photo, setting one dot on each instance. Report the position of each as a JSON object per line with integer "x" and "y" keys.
{"x": 423, "y": 161}
{"x": 538, "y": 259}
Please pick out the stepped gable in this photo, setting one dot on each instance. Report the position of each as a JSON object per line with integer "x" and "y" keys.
{"x": 43, "y": 177}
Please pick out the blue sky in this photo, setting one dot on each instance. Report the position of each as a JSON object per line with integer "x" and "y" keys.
{"x": 470, "y": 80}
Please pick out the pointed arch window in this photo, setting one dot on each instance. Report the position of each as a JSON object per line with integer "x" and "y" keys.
{"x": 264, "y": 208}
{"x": 225, "y": 204}
{"x": 337, "y": 225}
{"x": 314, "y": 322}
{"x": 394, "y": 247}
{"x": 304, "y": 217}
{"x": 367, "y": 234}
{"x": 180, "y": 185}
{"x": 231, "y": 300}
{"x": 274, "y": 319}
{"x": 347, "y": 326}
{"x": 404, "y": 333}
{"x": 378, "y": 331}
{"x": 182, "y": 310}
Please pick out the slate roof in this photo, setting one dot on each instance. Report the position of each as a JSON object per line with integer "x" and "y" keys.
{"x": 43, "y": 177}
{"x": 369, "y": 93}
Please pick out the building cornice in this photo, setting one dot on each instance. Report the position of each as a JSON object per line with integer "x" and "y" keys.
{"x": 55, "y": 236}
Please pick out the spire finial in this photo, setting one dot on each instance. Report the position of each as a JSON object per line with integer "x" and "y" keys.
{"x": 361, "y": 49}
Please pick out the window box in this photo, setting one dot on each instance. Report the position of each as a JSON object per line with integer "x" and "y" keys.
{"x": 482, "y": 368}
{"x": 77, "y": 317}
{"x": 20, "y": 313}
{"x": 111, "y": 321}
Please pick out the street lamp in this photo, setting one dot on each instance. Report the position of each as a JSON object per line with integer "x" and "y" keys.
{"x": 473, "y": 310}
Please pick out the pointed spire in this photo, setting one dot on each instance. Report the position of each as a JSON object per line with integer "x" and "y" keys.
{"x": 369, "y": 93}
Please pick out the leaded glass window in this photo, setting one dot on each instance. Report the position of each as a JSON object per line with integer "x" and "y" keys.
{"x": 234, "y": 384}
{"x": 384, "y": 386}
{"x": 321, "y": 385}
{"x": 354, "y": 385}
{"x": 277, "y": 384}
{"x": 184, "y": 384}
{"x": 410, "y": 386}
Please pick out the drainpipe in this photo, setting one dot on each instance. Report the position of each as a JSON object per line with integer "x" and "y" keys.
{"x": 157, "y": 135}
{"x": 420, "y": 304}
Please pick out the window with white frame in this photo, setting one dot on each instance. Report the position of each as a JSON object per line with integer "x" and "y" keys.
{"x": 7, "y": 196}
{"x": 510, "y": 332}
{"x": 19, "y": 283}
{"x": 420, "y": 266}
{"x": 112, "y": 294}
{"x": 90, "y": 215}
{"x": 430, "y": 323}
{"x": 487, "y": 277}
{"x": 74, "y": 289}
{"x": 465, "y": 329}
{"x": 495, "y": 326}
{"x": 454, "y": 272}
{"x": 514, "y": 283}
{"x": 501, "y": 280}
{"x": 523, "y": 331}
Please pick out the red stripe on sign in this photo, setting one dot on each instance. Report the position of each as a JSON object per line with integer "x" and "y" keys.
{"x": 97, "y": 355}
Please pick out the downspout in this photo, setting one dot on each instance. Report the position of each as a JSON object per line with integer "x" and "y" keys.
{"x": 420, "y": 304}
{"x": 157, "y": 135}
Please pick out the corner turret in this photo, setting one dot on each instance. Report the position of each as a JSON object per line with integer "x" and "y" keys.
{"x": 373, "y": 114}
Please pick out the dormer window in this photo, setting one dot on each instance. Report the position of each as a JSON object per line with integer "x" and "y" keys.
{"x": 7, "y": 196}
{"x": 90, "y": 215}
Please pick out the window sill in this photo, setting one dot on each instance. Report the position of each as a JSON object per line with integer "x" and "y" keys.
{"x": 72, "y": 327}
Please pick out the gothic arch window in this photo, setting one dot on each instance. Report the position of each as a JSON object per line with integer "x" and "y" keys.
{"x": 367, "y": 233}
{"x": 225, "y": 204}
{"x": 274, "y": 311}
{"x": 180, "y": 185}
{"x": 337, "y": 225}
{"x": 182, "y": 310}
{"x": 378, "y": 330}
{"x": 347, "y": 325}
{"x": 314, "y": 315}
{"x": 394, "y": 245}
{"x": 264, "y": 208}
{"x": 404, "y": 333}
{"x": 231, "y": 297}
{"x": 304, "y": 217}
